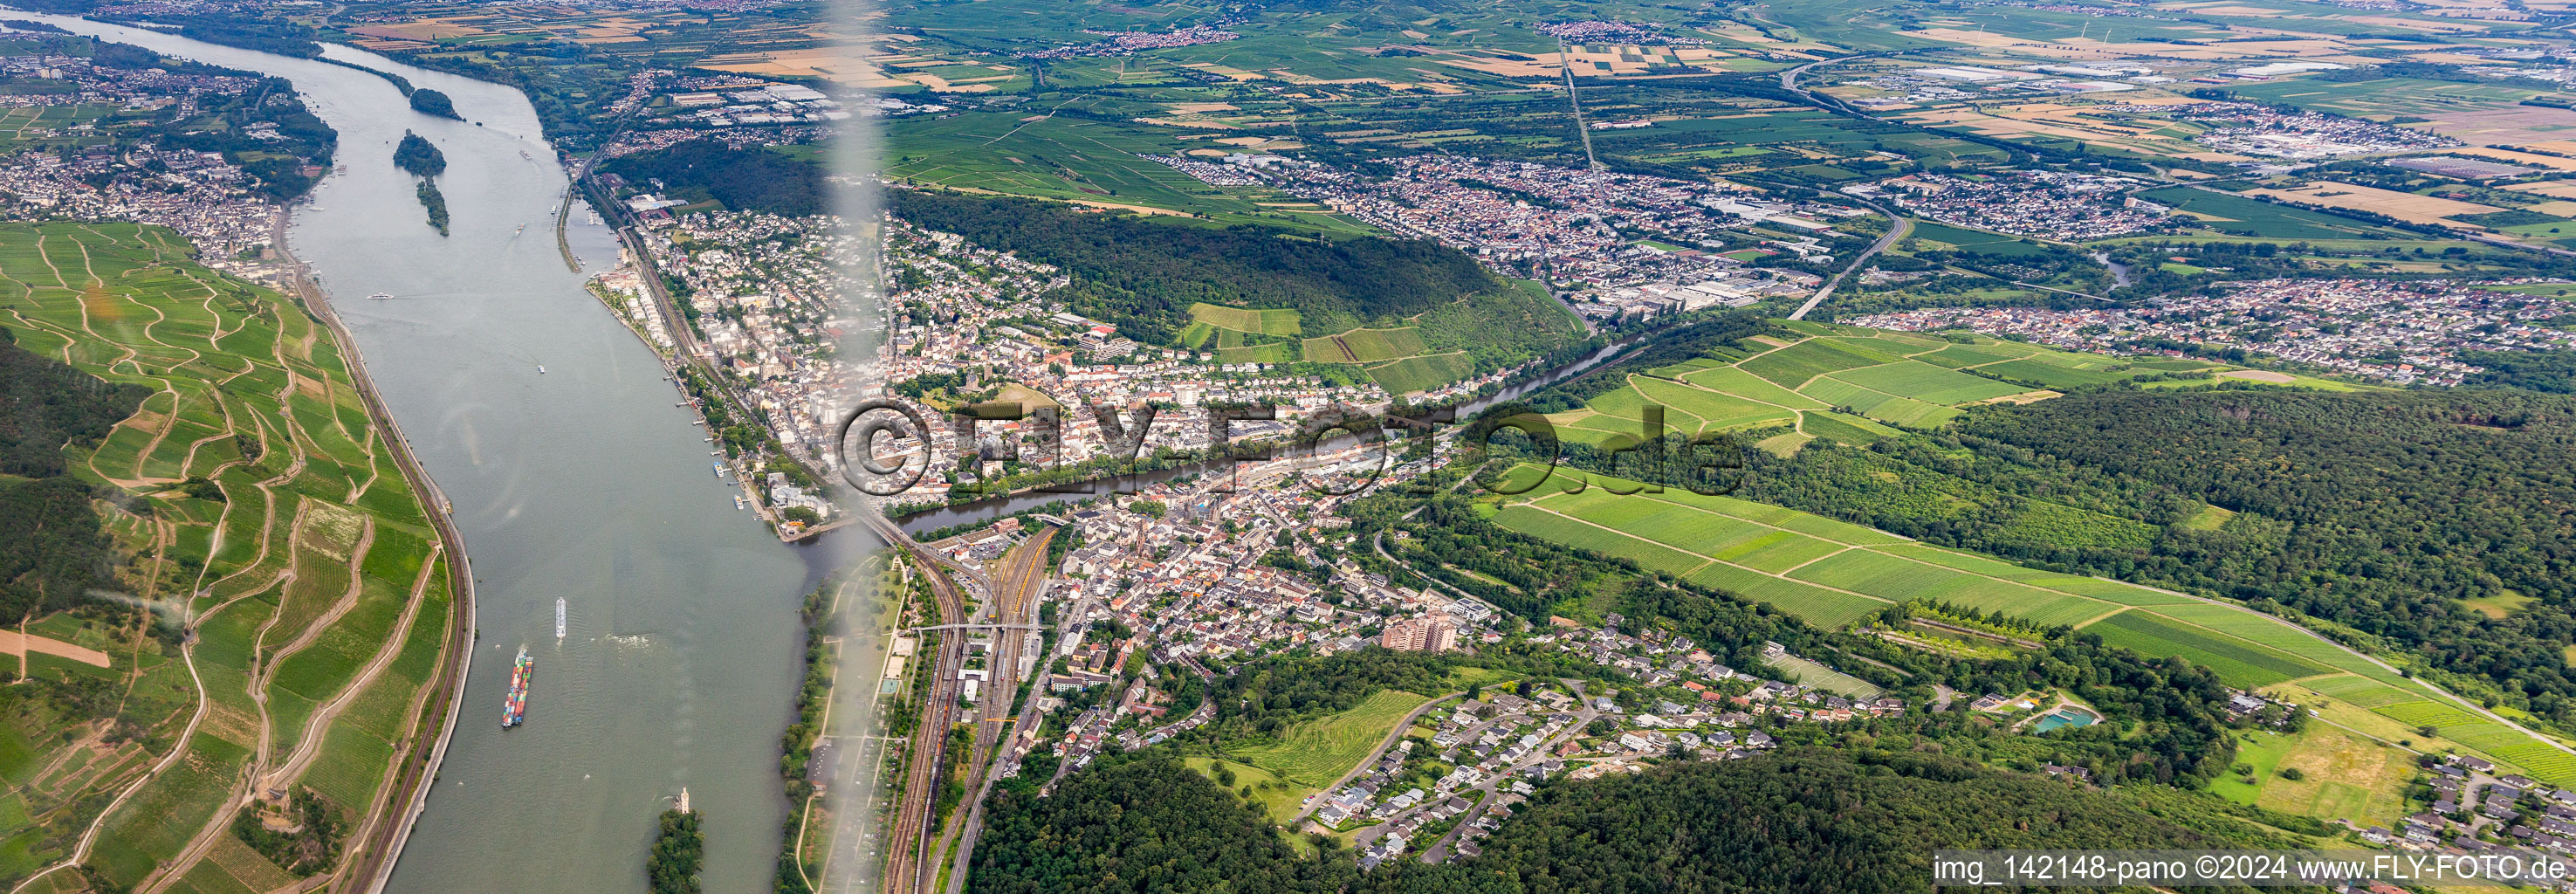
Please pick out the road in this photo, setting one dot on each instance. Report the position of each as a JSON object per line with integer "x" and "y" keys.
{"x": 1439, "y": 850}
{"x": 1392, "y": 736}
{"x": 1898, "y": 227}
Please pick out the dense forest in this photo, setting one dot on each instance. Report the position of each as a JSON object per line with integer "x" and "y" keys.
{"x": 1854, "y": 822}
{"x": 282, "y": 38}
{"x": 45, "y": 405}
{"x": 419, "y": 156}
{"x": 743, "y": 179}
{"x": 1140, "y": 824}
{"x": 679, "y": 851}
{"x": 434, "y": 202}
{"x": 1142, "y": 275}
{"x": 2378, "y": 510}
{"x": 2550, "y": 371}
{"x": 1823, "y": 821}
{"x": 51, "y": 548}
{"x": 431, "y": 102}
{"x": 312, "y": 847}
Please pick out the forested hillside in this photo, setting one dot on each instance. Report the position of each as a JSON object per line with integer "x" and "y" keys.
{"x": 1138, "y": 825}
{"x": 743, "y": 179}
{"x": 45, "y": 405}
{"x": 1818, "y": 821}
{"x": 51, "y": 551}
{"x": 1142, "y": 275}
{"x": 1825, "y": 821}
{"x": 2377, "y": 510}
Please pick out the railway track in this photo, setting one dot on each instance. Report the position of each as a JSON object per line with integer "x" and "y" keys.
{"x": 1024, "y": 575}
{"x": 914, "y": 838}
{"x": 905, "y": 840}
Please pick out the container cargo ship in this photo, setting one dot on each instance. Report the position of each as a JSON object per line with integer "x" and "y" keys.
{"x": 522, "y": 673}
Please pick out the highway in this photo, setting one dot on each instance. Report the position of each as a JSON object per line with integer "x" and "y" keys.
{"x": 1898, "y": 226}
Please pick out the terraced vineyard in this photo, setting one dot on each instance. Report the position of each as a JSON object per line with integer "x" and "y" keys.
{"x": 1833, "y": 573}
{"x": 315, "y": 586}
{"x": 1846, "y": 383}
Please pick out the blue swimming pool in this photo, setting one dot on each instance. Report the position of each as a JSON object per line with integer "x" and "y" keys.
{"x": 2060, "y": 719}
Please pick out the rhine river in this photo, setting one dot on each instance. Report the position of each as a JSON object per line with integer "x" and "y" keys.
{"x": 582, "y": 483}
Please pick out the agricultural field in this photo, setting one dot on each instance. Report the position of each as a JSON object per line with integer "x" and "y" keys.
{"x": 1832, "y": 573}
{"x": 1845, "y": 383}
{"x": 1088, "y": 162}
{"x": 1810, "y": 673}
{"x": 1313, "y": 753}
{"x": 1258, "y": 322}
{"x": 1443, "y": 346}
{"x": 50, "y": 127}
{"x": 316, "y": 586}
{"x": 1365, "y": 346}
{"x": 2241, "y": 216}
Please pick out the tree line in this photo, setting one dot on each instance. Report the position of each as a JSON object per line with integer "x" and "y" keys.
{"x": 1141, "y": 275}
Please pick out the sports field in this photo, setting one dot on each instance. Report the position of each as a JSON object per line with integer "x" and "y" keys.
{"x": 2342, "y": 776}
{"x": 320, "y": 589}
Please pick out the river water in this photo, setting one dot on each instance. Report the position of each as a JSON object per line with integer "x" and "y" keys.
{"x": 582, "y": 483}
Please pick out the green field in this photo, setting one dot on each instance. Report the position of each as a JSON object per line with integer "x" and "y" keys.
{"x": 2342, "y": 776}
{"x": 2240, "y": 663}
{"x": 1365, "y": 346}
{"x": 1975, "y": 241}
{"x": 1279, "y": 798}
{"x": 2254, "y": 217}
{"x": 1792, "y": 366}
{"x": 1810, "y": 673}
{"x": 1276, "y": 321}
{"x": 324, "y": 562}
{"x": 1312, "y": 754}
{"x": 1275, "y": 352}
{"x": 1421, "y": 373}
{"x": 1832, "y": 573}
{"x": 1081, "y": 160}
{"x": 1878, "y": 378}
